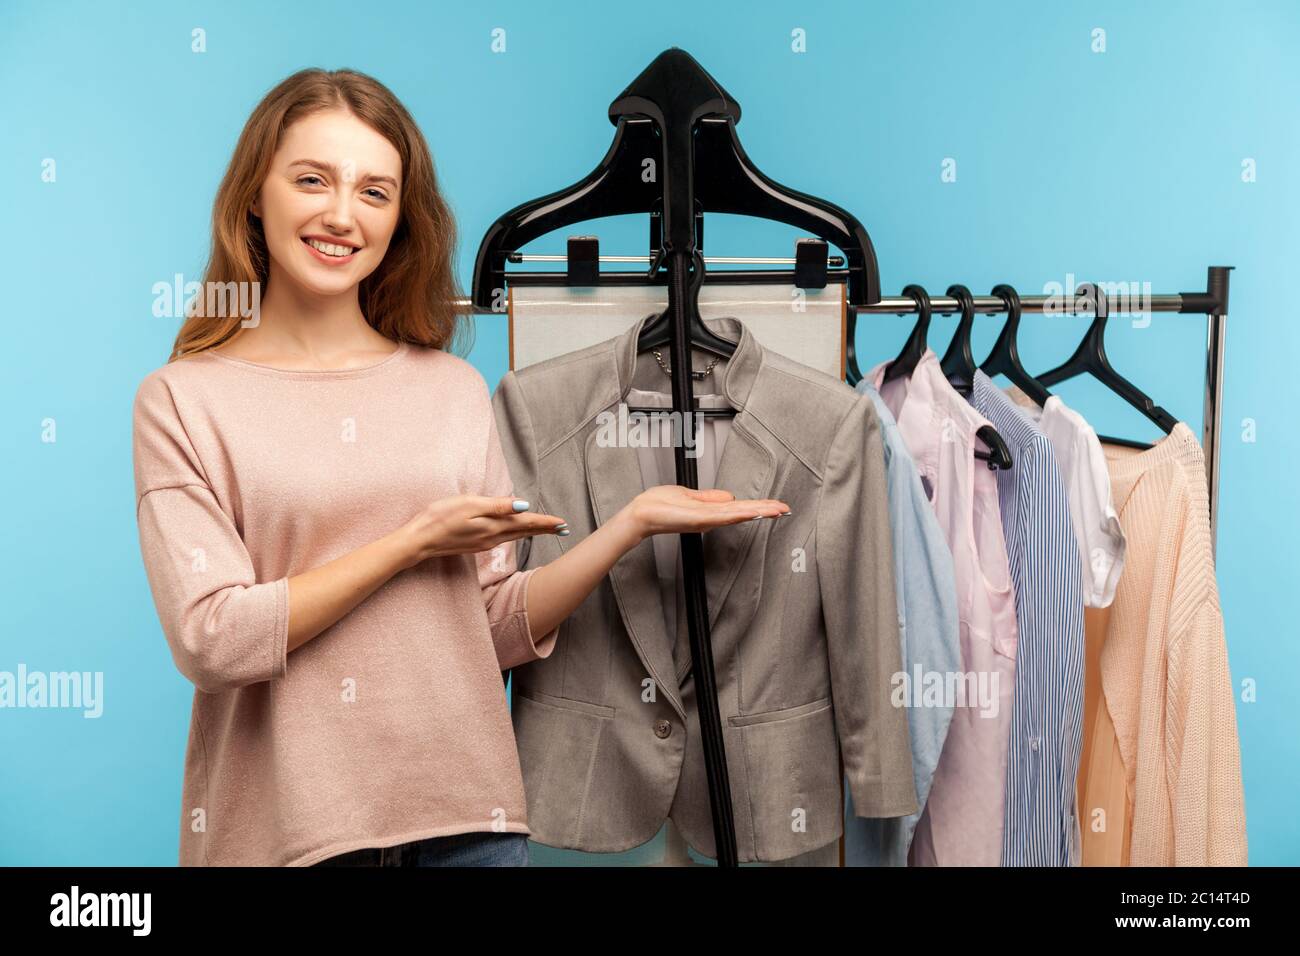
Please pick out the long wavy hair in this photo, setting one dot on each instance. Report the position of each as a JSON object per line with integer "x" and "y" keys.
{"x": 410, "y": 295}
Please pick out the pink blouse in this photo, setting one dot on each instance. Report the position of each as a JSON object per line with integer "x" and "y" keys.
{"x": 961, "y": 824}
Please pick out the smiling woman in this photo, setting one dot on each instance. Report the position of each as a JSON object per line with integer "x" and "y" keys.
{"x": 332, "y": 159}
{"x": 337, "y": 205}
{"x": 328, "y": 523}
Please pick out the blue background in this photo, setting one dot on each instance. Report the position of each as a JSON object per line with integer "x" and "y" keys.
{"x": 1119, "y": 166}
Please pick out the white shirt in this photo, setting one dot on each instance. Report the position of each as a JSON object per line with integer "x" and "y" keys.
{"x": 1087, "y": 481}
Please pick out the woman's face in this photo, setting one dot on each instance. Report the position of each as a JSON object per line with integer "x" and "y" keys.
{"x": 330, "y": 202}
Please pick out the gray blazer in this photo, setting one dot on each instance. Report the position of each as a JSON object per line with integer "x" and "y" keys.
{"x": 804, "y": 624}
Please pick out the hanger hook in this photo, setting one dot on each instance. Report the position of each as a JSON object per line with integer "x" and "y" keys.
{"x": 922, "y": 298}
{"x": 1011, "y": 299}
{"x": 914, "y": 348}
{"x": 1096, "y": 297}
{"x": 965, "y": 301}
{"x": 958, "y": 363}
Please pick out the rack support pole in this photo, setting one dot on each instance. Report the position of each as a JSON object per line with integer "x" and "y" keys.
{"x": 676, "y": 93}
{"x": 1212, "y": 423}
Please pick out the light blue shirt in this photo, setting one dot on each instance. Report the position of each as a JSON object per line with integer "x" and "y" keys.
{"x": 1047, "y": 702}
{"x": 927, "y": 631}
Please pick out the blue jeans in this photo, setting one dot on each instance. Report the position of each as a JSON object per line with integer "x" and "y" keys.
{"x": 459, "y": 849}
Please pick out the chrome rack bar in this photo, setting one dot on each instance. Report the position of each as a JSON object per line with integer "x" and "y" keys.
{"x": 1046, "y": 304}
{"x": 645, "y": 260}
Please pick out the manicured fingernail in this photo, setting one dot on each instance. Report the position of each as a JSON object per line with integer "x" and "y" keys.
{"x": 562, "y": 534}
{"x": 785, "y": 514}
{"x": 562, "y": 524}
{"x": 520, "y": 505}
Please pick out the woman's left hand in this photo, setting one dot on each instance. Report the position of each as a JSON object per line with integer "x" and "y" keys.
{"x": 561, "y": 585}
{"x": 676, "y": 509}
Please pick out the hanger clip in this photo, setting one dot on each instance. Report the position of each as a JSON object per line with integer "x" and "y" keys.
{"x": 583, "y": 267}
{"x": 810, "y": 261}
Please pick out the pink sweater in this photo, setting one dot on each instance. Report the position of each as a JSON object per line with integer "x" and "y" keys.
{"x": 392, "y": 724}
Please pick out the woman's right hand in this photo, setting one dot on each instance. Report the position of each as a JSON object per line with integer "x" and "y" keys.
{"x": 468, "y": 524}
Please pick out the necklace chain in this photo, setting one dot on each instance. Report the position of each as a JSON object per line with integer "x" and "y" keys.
{"x": 694, "y": 374}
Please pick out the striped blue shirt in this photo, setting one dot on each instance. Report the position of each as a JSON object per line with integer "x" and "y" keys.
{"x": 1047, "y": 702}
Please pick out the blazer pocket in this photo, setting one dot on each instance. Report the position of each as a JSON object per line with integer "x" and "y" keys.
{"x": 793, "y": 783}
{"x": 567, "y": 703}
{"x": 557, "y": 745}
{"x": 744, "y": 720}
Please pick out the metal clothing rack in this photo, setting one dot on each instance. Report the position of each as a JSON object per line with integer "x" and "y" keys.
{"x": 676, "y": 112}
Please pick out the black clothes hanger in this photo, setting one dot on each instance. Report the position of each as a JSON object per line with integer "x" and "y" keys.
{"x": 914, "y": 348}
{"x": 677, "y": 116}
{"x": 958, "y": 364}
{"x": 998, "y": 456}
{"x": 1005, "y": 357}
{"x": 721, "y": 178}
{"x": 1090, "y": 358}
{"x": 657, "y": 333}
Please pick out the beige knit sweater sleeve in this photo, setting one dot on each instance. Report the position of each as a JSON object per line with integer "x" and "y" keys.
{"x": 1202, "y": 752}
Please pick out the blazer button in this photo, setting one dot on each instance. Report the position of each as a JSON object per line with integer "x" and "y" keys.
{"x": 663, "y": 728}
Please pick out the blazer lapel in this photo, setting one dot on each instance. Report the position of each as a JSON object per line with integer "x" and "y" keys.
{"x": 747, "y": 469}
{"x": 614, "y": 479}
